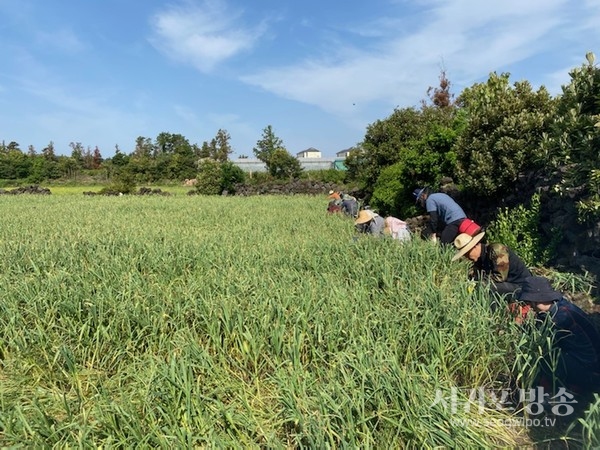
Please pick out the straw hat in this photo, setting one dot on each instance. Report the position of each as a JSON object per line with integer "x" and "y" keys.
{"x": 364, "y": 216}
{"x": 538, "y": 289}
{"x": 464, "y": 243}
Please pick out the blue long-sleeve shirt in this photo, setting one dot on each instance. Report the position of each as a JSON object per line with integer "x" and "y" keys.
{"x": 442, "y": 207}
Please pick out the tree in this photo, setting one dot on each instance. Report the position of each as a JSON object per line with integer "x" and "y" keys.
{"x": 441, "y": 96}
{"x": 68, "y": 166}
{"x": 279, "y": 162}
{"x": 48, "y": 152}
{"x": 267, "y": 145}
{"x": 415, "y": 145}
{"x": 284, "y": 165}
{"x": 222, "y": 149}
{"x": 502, "y": 135}
{"x": 97, "y": 158}
{"x": 76, "y": 155}
{"x": 573, "y": 139}
{"x": 216, "y": 177}
{"x": 45, "y": 166}
{"x": 14, "y": 164}
{"x": 423, "y": 162}
{"x": 205, "y": 150}
{"x": 383, "y": 145}
{"x": 119, "y": 159}
{"x": 88, "y": 159}
{"x": 143, "y": 148}
{"x": 13, "y": 146}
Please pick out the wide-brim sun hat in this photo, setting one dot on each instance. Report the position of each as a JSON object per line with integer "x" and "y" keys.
{"x": 538, "y": 290}
{"x": 364, "y": 216}
{"x": 464, "y": 243}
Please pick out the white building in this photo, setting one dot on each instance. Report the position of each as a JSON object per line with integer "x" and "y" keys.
{"x": 309, "y": 153}
{"x": 343, "y": 153}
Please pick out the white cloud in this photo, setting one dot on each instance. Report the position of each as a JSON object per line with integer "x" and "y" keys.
{"x": 469, "y": 38}
{"x": 203, "y": 35}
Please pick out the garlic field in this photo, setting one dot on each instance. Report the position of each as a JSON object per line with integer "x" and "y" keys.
{"x": 191, "y": 321}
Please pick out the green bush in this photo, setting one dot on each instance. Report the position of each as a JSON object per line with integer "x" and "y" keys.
{"x": 230, "y": 176}
{"x": 208, "y": 180}
{"x": 215, "y": 177}
{"x": 124, "y": 183}
{"x": 503, "y": 133}
{"x": 325, "y": 175}
{"x": 389, "y": 194}
{"x": 573, "y": 139}
{"x": 256, "y": 178}
{"x": 518, "y": 228}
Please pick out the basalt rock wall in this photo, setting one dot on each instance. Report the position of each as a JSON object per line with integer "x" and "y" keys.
{"x": 577, "y": 245}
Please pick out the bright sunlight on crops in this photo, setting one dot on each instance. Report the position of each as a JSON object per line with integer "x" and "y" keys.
{"x": 228, "y": 321}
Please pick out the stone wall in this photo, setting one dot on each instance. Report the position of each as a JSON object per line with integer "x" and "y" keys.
{"x": 577, "y": 245}
{"x": 294, "y": 187}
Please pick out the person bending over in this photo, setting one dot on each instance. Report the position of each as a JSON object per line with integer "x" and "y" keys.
{"x": 445, "y": 215}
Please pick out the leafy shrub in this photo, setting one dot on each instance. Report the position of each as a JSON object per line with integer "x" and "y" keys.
{"x": 390, "y": 190}
{"x": 124, "y": 183}
{"x": 325, "y": 175}
{"x": 208, "y": 180}
{"x": 256, "y": 178}
{"x": 215, "y": 177}
{"x": 503, "y": 134}
{"x": 282, "y": 164}
{"x": 518, "y": 228}
{"x": 574, "y": 138}
{"x": 230, "y": 176}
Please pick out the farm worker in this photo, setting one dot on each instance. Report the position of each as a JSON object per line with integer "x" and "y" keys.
{"x": 575, "y": 335}
{"x": 335, "y": 202}
{"x": 369, "y": 222}
{"x": 396, "y": 228}
{"x": 349, "y": 205}
{"x": 333, "y": 208}
{"x": 493, "y": 263}
{"x": 445, "y": 215}
{"x": 335, "y": 197}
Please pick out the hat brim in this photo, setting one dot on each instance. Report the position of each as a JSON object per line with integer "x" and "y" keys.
{"x": 467, "y": 248}
{"x": 363, "y": 219}
{"x": 419, "y": 196}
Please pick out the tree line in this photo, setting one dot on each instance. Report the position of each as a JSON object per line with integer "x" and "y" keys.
{"x": 487, "y": 139}
{"x": 168, "y": 157}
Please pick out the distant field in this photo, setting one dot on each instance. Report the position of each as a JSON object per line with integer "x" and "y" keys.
{"x": 191, "y": 321}
{"x": 77, "y": 190}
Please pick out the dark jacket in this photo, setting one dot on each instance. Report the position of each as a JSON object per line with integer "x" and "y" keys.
{"x": 578, "y": 366}
{"x": 499, "y": 264}
{"x": 576, "y": 335}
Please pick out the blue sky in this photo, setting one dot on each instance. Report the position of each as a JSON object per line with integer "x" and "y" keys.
{"x": 103, "y": 72}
